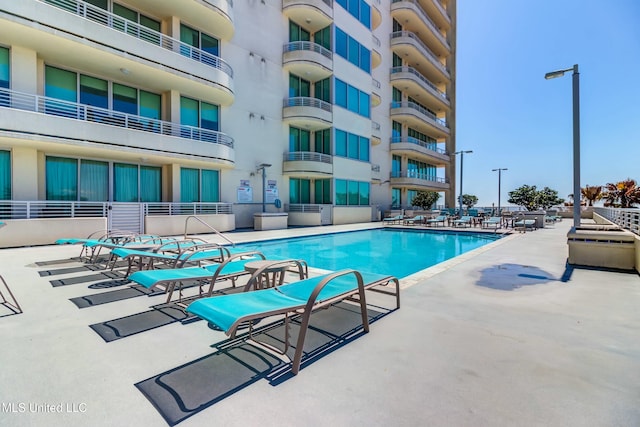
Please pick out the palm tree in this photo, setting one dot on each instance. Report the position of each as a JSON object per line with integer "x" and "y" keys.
{"x": 623, "y": 194}
{"x": 591, "y": 193}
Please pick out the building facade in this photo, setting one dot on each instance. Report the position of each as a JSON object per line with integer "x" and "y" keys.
{"x": 133, "y": 114}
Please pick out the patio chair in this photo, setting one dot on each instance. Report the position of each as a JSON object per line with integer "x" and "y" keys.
{"x": 394, "y": 219}
{"x": 494, "y": 222}
{"x": 228, "y": 312}
{"x": 440, "y": 219}
{"x": 168, "y": 280}
{"x": 524, "y": 224}
{"x": 464, "y": 220}
{"x": 418, "y": 219}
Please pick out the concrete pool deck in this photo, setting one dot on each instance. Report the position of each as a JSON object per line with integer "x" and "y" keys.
{"x": 506, "y": 335}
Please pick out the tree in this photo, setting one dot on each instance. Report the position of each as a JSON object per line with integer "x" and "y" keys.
{"x": 592, "y": 193}
{"x": 469, "y": 200}
{"x": 531, "y": 199}
{"x": 425, "y": 199}
{"x": 623, "y": 194}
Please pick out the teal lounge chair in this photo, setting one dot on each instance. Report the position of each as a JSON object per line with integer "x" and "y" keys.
{"x": 394, "y": 219}
{"x": 494, "y": 222}
{"x": 524, "y": 224}
{"x": 170, "y": 279}
{"x": 230, "y": 311}
{"x": 440, "y": 219}
{"x": 418, "y": 219}
{"x": 464, "y": 220}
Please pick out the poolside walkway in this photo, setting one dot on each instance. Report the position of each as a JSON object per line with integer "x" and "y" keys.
{"x": 505, "y": 336}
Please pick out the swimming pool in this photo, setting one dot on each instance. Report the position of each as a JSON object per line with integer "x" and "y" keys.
{"x": 394, "y": 252}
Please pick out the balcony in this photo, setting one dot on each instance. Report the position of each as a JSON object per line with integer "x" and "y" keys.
{"x": 307, "y": 59}
{"x": 376, "y": 58}
{"x": 440, "y": 15}
{"x": 418, "y": 118}
{"x": 415, "y": 85}
{"x": 98, "y": 42}
{"x": 414, "y": 19}
{"x": 91, "y": 128}
{"x": 314, "y": 15}
{"x": 308, "y": 113}
{"x": 420, "y": 150}
{"x": 409, "y": 46}
{"x": 307, "y": 164}
{"x": 375, "y": 93}
{"x": 376, "y": 15}
{"x": 414, "y": 179}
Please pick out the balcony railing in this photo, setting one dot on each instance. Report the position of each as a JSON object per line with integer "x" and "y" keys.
{"x": 421, "y": 109}
{"x": 307, "y": 156}
{"x": 625, "y": 218}
{"x": 88, "y": 113}
{"x": 307, "y": 46}
{"x": 375, "y": 168}
{"x": 141, "y": 32}
{"x": 430, "y": 54}
{"x": 376, "y": 41}
{"x": 427, "y": 145}
{"x": 375, "y": 126}
{"x": 376, "y": 83}
{"x": 418, "y": 175}
{"x": 420, "y": 77}
{"x": 305, "y": 101}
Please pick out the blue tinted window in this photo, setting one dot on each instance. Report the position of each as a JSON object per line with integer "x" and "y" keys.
{"x": 341, "y": 143}
{"x": 352, "y": 99}
{"x": 341, "y": 93}
{"x": 363, "y": 150}
{"x": 365, "y": 59}
{"x": 352, "y": 146}
{"x": 365, "y": 104}
{"x": 341, "y": 43}
{"x": 365, "y": 14}
{"x": 354, "y": 51}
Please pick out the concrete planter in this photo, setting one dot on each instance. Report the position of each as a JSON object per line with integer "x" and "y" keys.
{"x": 605, "y": 247}
{"x": 270, "y": 221}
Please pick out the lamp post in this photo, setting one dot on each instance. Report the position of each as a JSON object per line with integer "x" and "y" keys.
{"x": 499, "y": 178}
{"x": 576, "y": 137}
{"x": 461, "y": 168}
{"x": 263, "y": 167}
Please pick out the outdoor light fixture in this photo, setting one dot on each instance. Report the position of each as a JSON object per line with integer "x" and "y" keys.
{"x": 263, "y": 167}
{"x": 499, "y": 178}
{"x": 462, "y": 153}
{"x": 576, "y": 137}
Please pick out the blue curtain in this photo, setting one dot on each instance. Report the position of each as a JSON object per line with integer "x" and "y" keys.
{"x": 125, "y": 183}
{"x": 5, "y": 175}
{"x": 210, "y": 186}
{"x": 61, "y": 178}
{"x": 150, "y": 184}
{"x": 94, "y": 181}
{"x": 189, "y": 185}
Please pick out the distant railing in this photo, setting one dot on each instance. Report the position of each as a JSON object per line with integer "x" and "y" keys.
{"x": 418, "y": 175}
{"x": 425, "y": 17}
{"x": 625, "y": 218}
{"x": 375, "y": 126}
{"x": 376, "y": 41}
{"x": 420, "y": 43}
{"x": 308, "y": 156}
{"x": 196, "y": 208}
{"x": 307, "y": 46}
{"x": 88, "y": 113}
{"x": 141, "y": 32}
{"x": 422, "y": 78}
{"x": 375, "y": 168}
{"x": 285, "y": 3}
{"x": 376, "y": 83}
{"x": 13, "y": 209}
{"x": 432, "y": 146}
{"x": 421, "y": 109}
{"x": 305, "y": 101}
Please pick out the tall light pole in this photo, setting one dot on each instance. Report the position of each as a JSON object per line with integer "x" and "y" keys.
{"x": 499, "y": 178}
{"x": 576, "y": 137}
{"x": 461, "y": 168}
{"x": 263, "y": 167}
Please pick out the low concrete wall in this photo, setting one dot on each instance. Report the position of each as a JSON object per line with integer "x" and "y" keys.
{"x": 351, "y": 214}
{"x": 608, "y": 248}
{"x": 28, "y": 232}
{"x": 304, "y": 218}
{"x": 270, "y": 221}
{"x": 172, "y": 225}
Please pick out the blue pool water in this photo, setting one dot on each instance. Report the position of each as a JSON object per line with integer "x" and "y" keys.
{"x": 394, "y": 252}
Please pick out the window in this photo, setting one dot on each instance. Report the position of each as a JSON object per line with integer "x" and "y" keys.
{"x": 352, "y": 146}
{"x": 62, "y": 178}
{"x": 299, "y": 191}
{"x": 396, "y": 131}
{"x": 299, "y": 86}
{"x": 352, "y": 193}
{"x": 199, "y": 185}
{"x": 322, "y": 191}
{"x": 323, "y": 141}
{"x": 133, "y": 183}
{"x": 349, "y": 48}
{"x": 341, "y": 143}
{"x": 136, "y": 17}
{"x": 198, "y": 40}
{"x": 297, "y": 33}
{"x": 199, "y": 114}
{"x": 410, "y": 195}
{"x": 359, "y": 9}
{"x": 5, "y": 175}
{"x": 397, "y": 60}
{"x": 322, "y": 90}
{"x": 395, "y": 198}
{"x": 94, "y": 180}
{"x": 4, "y": 76}
{"x": 423, "y": 139}
{"x": 396, "y": 166}
{"x": 299, "y": 139}
{"x": 323, "y": 37}
{"x": 352, "y": 99}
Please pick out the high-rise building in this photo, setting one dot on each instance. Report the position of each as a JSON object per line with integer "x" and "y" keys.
{"x": 133, "y": 114}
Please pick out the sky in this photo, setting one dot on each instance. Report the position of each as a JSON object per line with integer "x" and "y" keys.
{"x": 511, "y": 117}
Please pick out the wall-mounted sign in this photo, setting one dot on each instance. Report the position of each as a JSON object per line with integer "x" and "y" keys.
{"x": 245, "y": 194}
